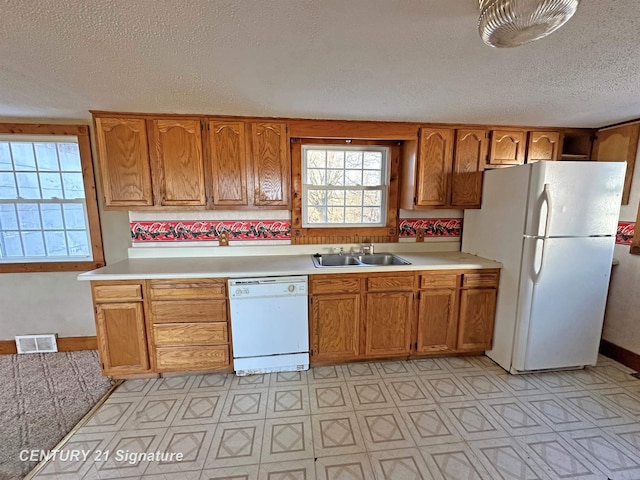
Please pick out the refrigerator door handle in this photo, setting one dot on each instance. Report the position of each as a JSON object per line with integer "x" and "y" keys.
{"x": 546, "y": 194}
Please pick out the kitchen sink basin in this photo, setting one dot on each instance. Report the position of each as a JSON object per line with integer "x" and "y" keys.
{"x": 370, "y": 260}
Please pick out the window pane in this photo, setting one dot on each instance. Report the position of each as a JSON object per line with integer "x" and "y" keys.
{"x": 56, "y": 243}
{"x": 51, "y": 185}
{"x": 353, "y": 160}
{"x": 372, "y": 198}
{"x": 73, "y": 185}
{"x": 371, "y": 215}
{"x": 28, "y": 216}
{"x": 353, "y": 177}
{"x": 315, "y": 177}
{"x": 74, "y": 216}
{"x": 316, "y": 197}
{"x": 69, "y": 157}
{"x": 335, "y": 177}
{"x": 354, "y": 197}
{"x": 23, "y": 159}
{"x": 335, "y": 214}
{"x": 78, "y": 243}
{"x": 5, "y": 157}
{"x": 47, "y": 157}
{"x": 8, "y": 218}
{"x": 52, "y": 216}
{"x": 8, "y": 186}
{"x": 11, "y": 244}
{"x": 335, "y": 159}
{"x": 33, "y": 244}
{"x": 372, "y": 178}
{"x": 353, "y": 214}
{"x": 28, "y": 185}
{"x": 373, "y": 160}
{"x": 317, "y": 215}
{"x": 316, "y": 159}
{"x": 335, "y": 197}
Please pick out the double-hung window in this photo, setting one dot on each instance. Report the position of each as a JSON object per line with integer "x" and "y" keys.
{"x": 48, "y": 210}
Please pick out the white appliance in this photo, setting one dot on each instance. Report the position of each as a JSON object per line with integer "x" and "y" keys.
{"x": 553, "y": 226}
{"x": 269, "y": 324}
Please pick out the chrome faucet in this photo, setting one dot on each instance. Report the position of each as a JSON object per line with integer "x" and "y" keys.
{"x": 340, "y": 250}
{"x": 368, "y": 249}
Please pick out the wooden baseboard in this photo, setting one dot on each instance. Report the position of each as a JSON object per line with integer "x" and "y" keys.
{"x": 620, "y": 354}
{"x": 65, "y": 344}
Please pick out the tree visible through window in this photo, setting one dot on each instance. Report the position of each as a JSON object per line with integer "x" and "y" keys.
{"x": 344, "y": 186}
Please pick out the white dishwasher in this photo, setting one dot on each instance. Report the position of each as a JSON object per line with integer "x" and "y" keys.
{"x": 269, "y": 324}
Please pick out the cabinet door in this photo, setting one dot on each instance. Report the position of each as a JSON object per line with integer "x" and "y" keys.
{"x": 435, "y": 155}
{"x": 227, "y": 146}
{"x": 121, "y": 338}
{"x": 388, "y": 318}
{"x": 543, "y": 146}
{"x": 618, "y": 145}
{"x": 271, "y": 165}
{"x": 507, "y": 147}
{"x": 335, "y": 326}
{"x": 178, "y": 162}
{"x": 124, "y": 161}
{"x": 468, "y": 164}
{"x": 477, "y": 316}
{"x": 437, "y": 321}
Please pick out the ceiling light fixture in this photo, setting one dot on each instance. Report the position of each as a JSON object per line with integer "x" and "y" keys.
{"x": 510, "y": 23}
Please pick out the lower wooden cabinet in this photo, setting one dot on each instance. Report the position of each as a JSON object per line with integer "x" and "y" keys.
{"x": 437, "y": 325}
{"x": 387, "y": 322}
{"x": 477, "y": 314}
{"x": 335, "y": 327}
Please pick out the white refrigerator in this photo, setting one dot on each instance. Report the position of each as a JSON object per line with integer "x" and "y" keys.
{"x": 553, "y": 227}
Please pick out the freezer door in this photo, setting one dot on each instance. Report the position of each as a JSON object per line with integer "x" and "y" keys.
{"x": 563, "y": 292}
{"x": 582, "y": 199}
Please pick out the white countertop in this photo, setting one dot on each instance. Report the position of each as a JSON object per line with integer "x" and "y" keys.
{"x": 272, "y": 265}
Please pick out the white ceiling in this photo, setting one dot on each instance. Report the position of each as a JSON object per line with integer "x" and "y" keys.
{"x": 416, "y": 60}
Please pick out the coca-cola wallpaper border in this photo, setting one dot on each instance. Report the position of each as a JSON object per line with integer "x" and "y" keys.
{"x": 624, "y": 236}
{"x": 433, "y": 227}
{"x": 172, "y": 231}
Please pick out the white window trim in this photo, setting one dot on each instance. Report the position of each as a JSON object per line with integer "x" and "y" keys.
{"x": 383, "y": 188}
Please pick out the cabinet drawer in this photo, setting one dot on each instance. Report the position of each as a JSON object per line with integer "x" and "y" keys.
{"x": 187, "y": 290}
{"x": 189, "y": 311}
{"x": 481, "y": 279}
{"x": 382, "y": 284}
{"x": 192, "y": 358}
{"x": 117, "y": 293}
{"x": 439, "y": 280}
{"x": 335, "y": 285}
{"x": 177, "y": 334}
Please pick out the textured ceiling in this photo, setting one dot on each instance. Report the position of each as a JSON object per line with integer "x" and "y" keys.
{"x": 417, "y": 60}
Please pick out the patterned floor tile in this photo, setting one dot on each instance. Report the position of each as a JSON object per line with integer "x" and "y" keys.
{"x": 284, "y": 379}
{"x": 616, "y": 372}
{"x": 505, "y": 459}
{"x": 459, "y": 364}
{"x": 429, "y": 425}
{"x": 344, "y": 467}
{"x": 154, "y": 411}
{"x": 627, "y": 435}
{"x": 515, "y": 417}
{"x": 329, "y": 397}
{"x": 407, "y": 391}
{"x": 135, "y": 388}
{"x": 194, "y": 475}
{"x": 288, "y": 402}
{"x": 173, "y": 385}
{"x": 292, "y": 470}
{"x": 486, "y": 364}
{"x": 454, "y": 461}
{"x": 446, "y": 388}
{"x": 200, "y": 408}
{"x": 331, "y": 373}
{"x": 384, "y": 429}
{"x": 556, "y": 382}
{"x": 427, "y": 367}
{"x": 405, "y": 464}
{"x": 589, "y": 379}
{"x": 596, "y": 408}
{"x": 287, "y": 439}
{"x": 558, "y": 458}
{"x": 112, "y": 415}
{"x": 370, "y": 394}
{"x": 521, "y": 385}
{"x": 242, "y": 405}
{"x": 360, "y": 371}
{"x": 473, "y": 421}
{"x": 244, "y": 472}
{"x": 395, "y": 369}
{"x": 483, "y": 385}
{"x": 624, "y": 399}
{"x": 192, "y": 442}
{"x": 235, "y": 444}
{"x": 336, "y": 434}
{"x": 211, "y": 382}
{"x": 559, "y": 415}
{"x": 249, "y": 382}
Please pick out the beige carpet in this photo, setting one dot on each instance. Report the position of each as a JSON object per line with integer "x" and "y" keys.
{"x": 42, "y": 397}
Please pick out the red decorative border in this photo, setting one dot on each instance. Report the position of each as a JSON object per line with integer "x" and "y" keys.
{"x": 433, "y": 227}
{"x": 625, "y": 232}
{"x": 189, "y": 231}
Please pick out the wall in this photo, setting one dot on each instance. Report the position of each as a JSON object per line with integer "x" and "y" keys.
{"x": 622, "y": 318}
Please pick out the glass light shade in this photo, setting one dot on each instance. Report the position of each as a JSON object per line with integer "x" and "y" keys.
{"x": 510, "y": 23}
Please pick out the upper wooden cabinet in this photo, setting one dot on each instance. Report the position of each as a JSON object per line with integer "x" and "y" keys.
{"x": 271, "y": 164}
{"x": 619, "y": 144}
{"x": 228, "y": 151}
{"x": 124, "y": 161}
{"x": 507, "y": 147}
{"x": 468, "y": 163}
{"x": 435, "y": 154}
{"x": 543, "y": 146}
{"x": 178, "y": 162}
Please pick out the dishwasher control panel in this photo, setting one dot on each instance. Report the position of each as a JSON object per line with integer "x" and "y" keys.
{"x": 268, "y": 287}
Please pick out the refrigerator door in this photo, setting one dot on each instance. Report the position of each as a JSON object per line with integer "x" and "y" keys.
{"x": 582, "y": 199}
{"x": 563, "y": 293}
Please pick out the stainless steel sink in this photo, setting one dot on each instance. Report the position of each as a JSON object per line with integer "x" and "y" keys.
{"x": 346, "y": 260}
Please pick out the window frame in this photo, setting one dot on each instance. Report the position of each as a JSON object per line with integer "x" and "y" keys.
{"x": 355, "y": 234}
{"x": 81, "y": 132}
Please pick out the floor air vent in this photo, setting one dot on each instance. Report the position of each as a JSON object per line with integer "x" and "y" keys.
{"x": 36, "y": 343}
